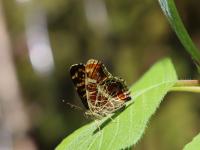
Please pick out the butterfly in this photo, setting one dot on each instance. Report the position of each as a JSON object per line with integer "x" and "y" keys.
{"x": 100, "y": 92}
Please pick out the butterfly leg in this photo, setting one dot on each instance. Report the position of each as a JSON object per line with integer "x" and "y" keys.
{"x": 97, "y": 125}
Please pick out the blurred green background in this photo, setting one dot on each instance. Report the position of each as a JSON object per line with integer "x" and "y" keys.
{"x": 41, "y": 39}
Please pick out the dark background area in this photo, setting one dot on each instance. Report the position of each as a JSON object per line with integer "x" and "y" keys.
{"x": 41, "y": 39}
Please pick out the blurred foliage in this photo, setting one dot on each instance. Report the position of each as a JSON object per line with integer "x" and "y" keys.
{"x": 135, "y": 35}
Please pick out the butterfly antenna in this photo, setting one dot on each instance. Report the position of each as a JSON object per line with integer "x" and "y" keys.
{"x": 73, "y": 106}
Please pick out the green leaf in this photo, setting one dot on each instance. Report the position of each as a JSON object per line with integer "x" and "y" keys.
{"x": 127, "y": 128}
{"x": 170, "y": 11}
{"x": 194, "y": 144}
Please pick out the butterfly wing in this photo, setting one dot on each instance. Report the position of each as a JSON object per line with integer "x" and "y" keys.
{"x": 112, "y": 95}
{"x": 99, "y": 91}
{"x": 77, "y": 72}
{"x": 96, "y": 73}
{"x": 115, "y": 88}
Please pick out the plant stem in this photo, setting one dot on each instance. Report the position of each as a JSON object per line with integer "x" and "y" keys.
{"x": 194, "y": 89}
{"x": 187, "y": 83}
{"x": 187, "y": 86}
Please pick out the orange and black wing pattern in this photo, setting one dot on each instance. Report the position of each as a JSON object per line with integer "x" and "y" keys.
{"x": 96, "y": 73}
{"x": 99, "y": 91}
{"x": 77, "y": 72}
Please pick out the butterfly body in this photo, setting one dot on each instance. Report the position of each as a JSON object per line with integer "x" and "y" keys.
{"x": 100, "y": 92}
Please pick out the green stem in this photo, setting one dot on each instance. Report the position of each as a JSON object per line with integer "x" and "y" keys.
{"x": 193, "y": 89}
{"x": 187, "y": 86}
{"x": 187, "y": 83}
